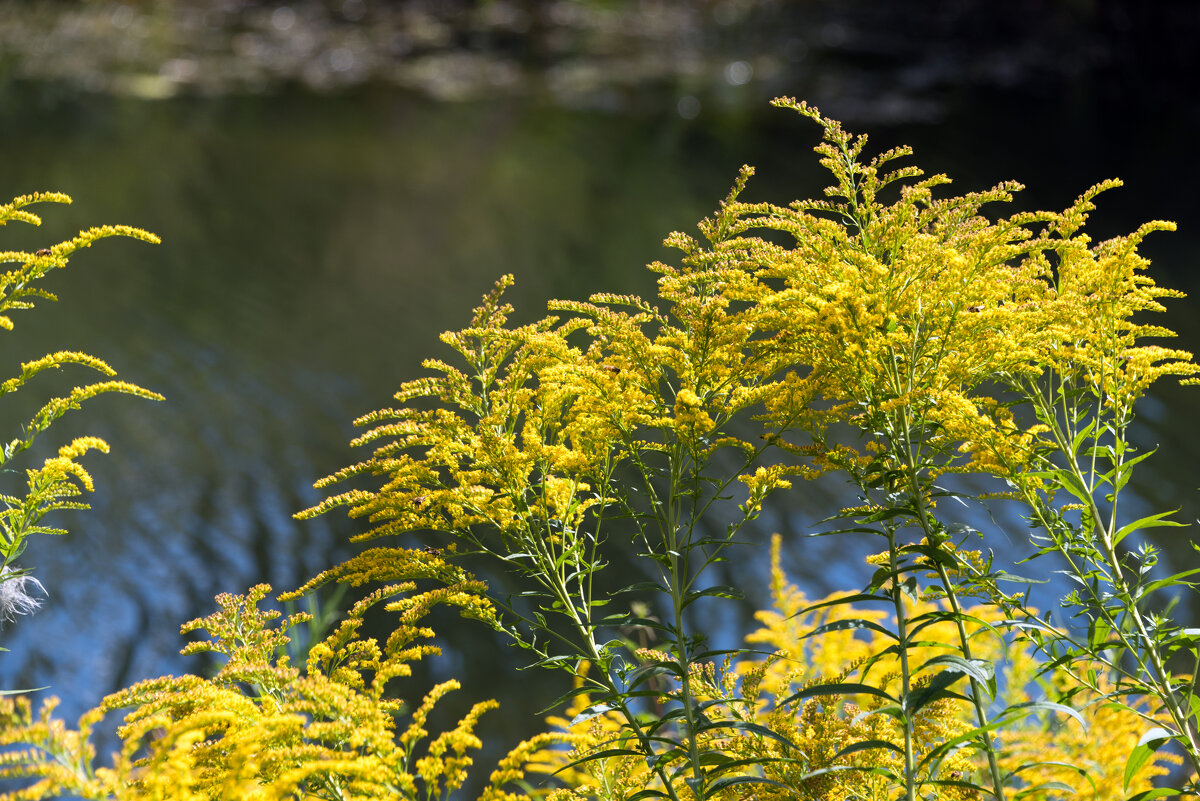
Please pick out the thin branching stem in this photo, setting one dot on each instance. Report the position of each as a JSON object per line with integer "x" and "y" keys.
{"x": 896, "y": 592}
{"x": 1100, "y": 552}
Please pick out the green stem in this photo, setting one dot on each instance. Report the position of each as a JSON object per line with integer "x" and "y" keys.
{"x": 678, "y": 585}
{"x": 593, "y": 655}
{"x": 897, "y": 593}
{"x": 1143, "y": 646}
{"x": 1160, "y": 676}
{"x": 976, "y": 687}
{"x": 964, "y": 643}
{"x": 548, "y": 571}
{"x": 902, "y": 435}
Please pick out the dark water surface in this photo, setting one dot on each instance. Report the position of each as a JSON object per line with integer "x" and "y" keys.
{"x": 314, "y": 247}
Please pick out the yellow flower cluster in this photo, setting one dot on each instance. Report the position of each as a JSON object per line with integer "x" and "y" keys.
{"x": 905, "y": 314}
{"x": 262, "y": 729}
{"x": 912, "y": 309}
{"x": 62, "y": 478}
{"x": 505, "y": 449}
{"x": 16, "y": 286}
{"x": 899, "y": 317}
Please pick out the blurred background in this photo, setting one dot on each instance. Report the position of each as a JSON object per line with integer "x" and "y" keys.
{"x": 338, "y": 182}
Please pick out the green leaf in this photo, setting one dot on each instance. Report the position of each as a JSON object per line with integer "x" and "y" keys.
{"x": 701, "y": 656}
{"x": 887, "y": 513}
{"x": 1001, "y": 575}
{"x": 855, "y": 623}
{"x": 1079, "y": 437}
{"x": 1174, "y": 580}
{"x": 1194, "y": 704}
{"x": 746, "y": 726}
{"x": 975, "y": 668}
{"x": 850, "y": 530}
{"x": 867, "y": 745}
{"x": 647, "y": 793}
{"x": 1029, "y": 707}
{"x": 729, "y": 781}
{"x": 677, "y": 751}
{"x": 1071, "y": 483}
{"x": 1150, "y": 521}
{"x": 591, "y": 712}
{"x": 663, "y": 721}
{"x": 641, "y": 586}
{"x": 976, "y": 790}
{"x": 631, "y": 620}
{"x": 557, "y": 662}
{"x": 1150, "y": 742}
{"x": 1157, "y": 792}
{"x": 848, "y": 600}
{"x": 1004, "y": 718}
{"x": 839, "y": 688}
{"x": 933, "y": 691}
{"x": 884, "y": 772}
{"x": 1045, "y": 786}
{"x": 727, "y": 763}
{"x": 641, "y": 675}
{"x": 933, "y": 553}
{"x": 1125, "y": 471}
{"x": 1052, "y": 764}
{"x": 1099, "y": 633}
{"x": 714, "y": 759}
{"x": 719, "y": 591}
{"x": 567, "y": 696}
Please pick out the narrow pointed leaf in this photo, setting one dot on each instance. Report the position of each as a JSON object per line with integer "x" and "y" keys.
{"x": 1157, "y": 792}
{"x": 720, "y": 591}
{"x": 838, "y": 688}
{"x": 746, "y": 726}
{"x": 933, "y": 691}
{"x": 729, "y": 781}
{"x": 638, "y": 796}
{"x": 1150, "y": 521}
{"x": 1143, "y": 752}
{"x": 975, "y": 668}
{"x": 868, "y": 745}
{"x": 847, "y": 625}
{"x": 591, "y": 712}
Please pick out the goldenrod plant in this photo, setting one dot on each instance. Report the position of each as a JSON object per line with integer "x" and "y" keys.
{"x": 263, "y": 728}
{"x": 59, "y": 481}
{"x": 542, "y": 451}
{"x": 1085, "y": 757}
{"x": 889, "y": 333}
{"x": 912, "y": 319}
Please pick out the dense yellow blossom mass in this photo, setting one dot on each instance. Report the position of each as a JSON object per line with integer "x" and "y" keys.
{"x": 943, "y": 338}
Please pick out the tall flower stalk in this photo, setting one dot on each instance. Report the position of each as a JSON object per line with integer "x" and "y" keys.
{"x": 546, "y": 450}
{"x": 61, "y": 479}
{"x": 1087, "y": 412}
{"x": 916, "y": 322}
